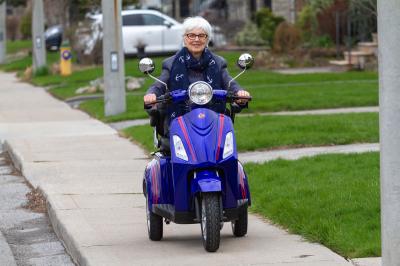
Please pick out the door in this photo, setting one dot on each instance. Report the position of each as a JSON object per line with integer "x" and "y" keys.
{"x": 142, "y": 29}
{"x": 173, "y": 36}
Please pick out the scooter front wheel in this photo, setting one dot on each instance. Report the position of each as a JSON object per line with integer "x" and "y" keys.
{"x": 210, "y": 221}
{"x": 154, "y": 224}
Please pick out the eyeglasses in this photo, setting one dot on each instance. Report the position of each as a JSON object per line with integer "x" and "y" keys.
{"x": 193, "y": 36}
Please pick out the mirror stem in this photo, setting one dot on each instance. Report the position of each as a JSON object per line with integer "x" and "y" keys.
{"x": 229, "y": 84}
{"x": 162, "y": 82}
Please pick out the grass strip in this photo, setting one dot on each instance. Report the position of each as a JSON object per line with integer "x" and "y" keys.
{"x": 16, "y": 46}
{"x": 330, "y": 199}
{"x": 275, "y": 132}
{"x": 287, "y": 97}
{"x": 270, "y": 91}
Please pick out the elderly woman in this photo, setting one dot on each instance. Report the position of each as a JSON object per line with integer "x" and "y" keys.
{"x": 194, "y": 62}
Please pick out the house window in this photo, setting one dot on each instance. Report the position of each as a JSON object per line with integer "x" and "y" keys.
{"x": 268, "y": 3}
{"x": 253, "y": 6}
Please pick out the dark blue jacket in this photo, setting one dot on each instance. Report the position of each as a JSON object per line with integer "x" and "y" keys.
{"x": 159, "y": 89}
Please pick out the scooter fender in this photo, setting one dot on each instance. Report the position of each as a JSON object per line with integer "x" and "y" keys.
{"x": 206, "y": 181}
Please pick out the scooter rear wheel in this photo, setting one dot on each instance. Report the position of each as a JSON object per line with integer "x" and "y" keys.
{"x": 210, "y": 221}
{"x": 154, "y": 224}
{"x": 239, "y": 226}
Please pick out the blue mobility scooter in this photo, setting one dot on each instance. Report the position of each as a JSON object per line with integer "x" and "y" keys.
{"x": 198, "y": 179}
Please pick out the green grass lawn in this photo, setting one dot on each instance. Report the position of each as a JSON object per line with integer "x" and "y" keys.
{"x": 21, "y": 64}
{"x": 330, "y": 199}
{"x": 18, "y": 45}
{"x": 270, "y": 91}
{"x": 277, "y": 92}
{"x": 274, "y": 132}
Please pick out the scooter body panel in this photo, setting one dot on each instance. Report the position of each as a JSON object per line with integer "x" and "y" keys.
{"x": 174, "y": 183}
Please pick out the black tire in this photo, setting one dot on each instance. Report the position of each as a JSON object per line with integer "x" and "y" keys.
{"x": 154, "y": 224}
{"x": 210, "y": 221}
{"x": 239, "y": 226}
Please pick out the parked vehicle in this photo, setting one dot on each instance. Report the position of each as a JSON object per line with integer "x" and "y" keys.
{"x": 53, "y": 37}
{"x": 157, "y": 32}
{"x": 199, "y": 179}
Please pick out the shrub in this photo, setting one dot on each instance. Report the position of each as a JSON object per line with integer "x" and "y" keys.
{"x": 249, "y": 36}
{"x": 26, "y": 25}
{"x": 323, "y": 41}
{"x": 307, "y": 22}
{"x": 267, "y": 22}
{"x": 287, "y": 37}
{"x": 12, "y": 24}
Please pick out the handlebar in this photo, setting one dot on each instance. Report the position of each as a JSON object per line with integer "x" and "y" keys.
{"x": 182, "y": 95}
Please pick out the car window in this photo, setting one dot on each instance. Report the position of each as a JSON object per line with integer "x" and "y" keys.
{"x": 150, "y": 19}
{"x": 132, "y": 20}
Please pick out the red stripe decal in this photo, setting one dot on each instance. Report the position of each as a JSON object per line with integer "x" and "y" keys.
{"x": 221, "y": 127}
{"x": 154, "y": 180}
{"x": 241, "y": 175}
{"x": 185, "y": 134}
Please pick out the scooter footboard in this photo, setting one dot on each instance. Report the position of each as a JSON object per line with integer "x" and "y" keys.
{"x": 206, "y": 181}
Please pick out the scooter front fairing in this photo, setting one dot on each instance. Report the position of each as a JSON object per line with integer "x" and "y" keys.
{"x": 201, "y": 161}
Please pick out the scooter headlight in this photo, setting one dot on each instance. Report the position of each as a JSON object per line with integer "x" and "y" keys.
{"x": 180, "y": 151}
{"x": 228, "y": 146}
{"x": 200, "y": 92}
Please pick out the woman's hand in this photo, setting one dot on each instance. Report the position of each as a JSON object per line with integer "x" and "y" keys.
{"x": 149, "y": 98}
{"x": 242, "y": 93}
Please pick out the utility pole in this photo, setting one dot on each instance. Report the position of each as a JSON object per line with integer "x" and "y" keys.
{"x": 39, "y": 52}
{"x": 389, "y": 109}
{"x": 3, "y": 38}
{"x": 113, "y": 58}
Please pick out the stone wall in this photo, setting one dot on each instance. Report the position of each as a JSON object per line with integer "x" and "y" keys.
{"x": 238, "y": 10}
{"x": 287, "y": 9}
{"x": 284, "y": 9}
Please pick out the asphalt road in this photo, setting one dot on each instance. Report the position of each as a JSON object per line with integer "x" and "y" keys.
{"x": 26, "y": 237}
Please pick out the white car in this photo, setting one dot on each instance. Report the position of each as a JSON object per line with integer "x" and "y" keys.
{"x": 156, "y": 31}
{"x": 159, "y": 33}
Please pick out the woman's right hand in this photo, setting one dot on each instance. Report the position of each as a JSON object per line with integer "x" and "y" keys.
{"x": 149, "y": 98}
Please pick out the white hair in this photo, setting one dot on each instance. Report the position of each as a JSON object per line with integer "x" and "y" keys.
{"x": 198, "y": 22}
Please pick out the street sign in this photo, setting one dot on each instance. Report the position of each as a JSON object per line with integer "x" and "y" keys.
{"x": 114, "y": 61}
{"x": 38, "y": 42}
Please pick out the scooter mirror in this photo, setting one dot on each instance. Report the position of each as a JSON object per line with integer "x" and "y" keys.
{"x": 245, "y": 61}
{"x": 146, "y": 65}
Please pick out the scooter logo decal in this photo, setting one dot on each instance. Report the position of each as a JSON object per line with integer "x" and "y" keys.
{"x": 178, "y": 77}
{"x": 201, "y": 116}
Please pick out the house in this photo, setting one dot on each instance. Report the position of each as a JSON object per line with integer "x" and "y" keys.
{"x": 228, "y": 9}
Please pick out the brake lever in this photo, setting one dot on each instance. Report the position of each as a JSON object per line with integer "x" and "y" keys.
{"x": 160, "y": 99}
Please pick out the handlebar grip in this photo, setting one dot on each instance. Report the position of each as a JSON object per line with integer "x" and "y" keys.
{"x": 159, "y": 99}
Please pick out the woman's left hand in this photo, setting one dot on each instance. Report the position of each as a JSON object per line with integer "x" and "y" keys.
{"x": 242, "y": 93}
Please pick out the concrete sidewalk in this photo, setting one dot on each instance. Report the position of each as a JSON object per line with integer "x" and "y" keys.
{"x": 92, "y": 180}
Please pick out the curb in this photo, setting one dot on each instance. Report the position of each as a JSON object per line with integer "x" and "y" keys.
{"x": 6, "y": 255}
{"x": 15, "y": 157}
{"x": 62, "y": 233}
